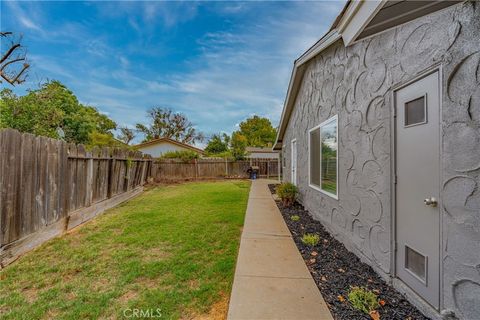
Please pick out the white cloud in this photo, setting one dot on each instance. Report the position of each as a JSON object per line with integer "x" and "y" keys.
{"x": 28, "y": 20}
{"x": 237, "y": 70}
{"x": 246, "y": 70}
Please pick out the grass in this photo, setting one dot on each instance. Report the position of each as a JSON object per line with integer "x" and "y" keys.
{"x": 173, "y": 248}
{"x": 310, "y": 239}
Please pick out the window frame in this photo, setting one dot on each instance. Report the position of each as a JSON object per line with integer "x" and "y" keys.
{"x": 315, "y": 187}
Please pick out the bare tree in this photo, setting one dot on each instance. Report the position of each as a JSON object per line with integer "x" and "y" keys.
{"x": 13, "y": 62}
{"x": 169, "y": 124}
{"x": 126, "y": 135}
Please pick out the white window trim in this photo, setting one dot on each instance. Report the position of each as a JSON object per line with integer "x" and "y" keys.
{"x": 309, "y": 159}
{"x": 296, "y": 161}
{"x": 319, "y": 188}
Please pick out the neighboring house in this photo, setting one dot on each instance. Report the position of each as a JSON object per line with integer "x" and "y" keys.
{"x": 393, "y": 91}
{"x": 157, "y": 147}
{"x": 261, "y": 153}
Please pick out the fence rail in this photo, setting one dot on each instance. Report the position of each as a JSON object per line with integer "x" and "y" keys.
{"x": 44, "y": 181}
{"x": 172, "y": 169}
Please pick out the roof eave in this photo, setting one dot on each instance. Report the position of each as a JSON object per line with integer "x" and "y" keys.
{"x": 354, "y": 18}
{"x": 297, "y": 75}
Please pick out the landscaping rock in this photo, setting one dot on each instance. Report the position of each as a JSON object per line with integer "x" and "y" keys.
{"x": 335, "y": 270}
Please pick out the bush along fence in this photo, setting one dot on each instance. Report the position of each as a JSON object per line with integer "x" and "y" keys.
{"x": 210, "y": 168}
{"x": 48, "y": 186}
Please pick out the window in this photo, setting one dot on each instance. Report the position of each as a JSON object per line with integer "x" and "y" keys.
{"x": 323, "y": 147}
{"x": 415, "y": 112}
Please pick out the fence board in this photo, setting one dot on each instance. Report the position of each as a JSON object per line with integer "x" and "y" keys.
{"x": 28, "y": 180}
{"x": 43, "y": 180}
{"x": 174, "y": 169}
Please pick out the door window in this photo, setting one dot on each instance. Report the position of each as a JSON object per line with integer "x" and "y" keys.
{"x": 415, "y": 112}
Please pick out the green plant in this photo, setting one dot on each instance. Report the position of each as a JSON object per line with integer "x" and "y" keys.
{"x": 295, "y": 217}
{"x": 363, "y": 299}
{"x": 185, "y": 155}
{"x": 311, "y": 239}
{"x": 287, "y": 192}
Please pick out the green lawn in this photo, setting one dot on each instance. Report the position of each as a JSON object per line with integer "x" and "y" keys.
{"x": 173, "y": 248}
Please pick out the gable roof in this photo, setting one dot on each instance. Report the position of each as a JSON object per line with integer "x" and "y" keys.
{"x": 168, "y": 140}
{"x": 358, "y": 20}
{"x": 260, "y": 149}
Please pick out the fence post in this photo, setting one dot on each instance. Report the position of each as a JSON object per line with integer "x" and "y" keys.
{"x": 144, "y": 165}
{"x": 268, "y": 168}
{"x": 89, "y": 186}
{"x": 111, "y": 167}
{"x": 196, "y": 169}
{"x": 226, "y": 167}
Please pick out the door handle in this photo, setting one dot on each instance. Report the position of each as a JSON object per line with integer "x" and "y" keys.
{"x": 432, "y": 202}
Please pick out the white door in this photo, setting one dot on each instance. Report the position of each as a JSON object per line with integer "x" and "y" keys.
{"x": 418, "y": 189}
{"x": 294, "y": 162}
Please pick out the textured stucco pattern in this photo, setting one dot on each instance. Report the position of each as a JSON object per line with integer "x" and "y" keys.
{"x": 357, "y": 84}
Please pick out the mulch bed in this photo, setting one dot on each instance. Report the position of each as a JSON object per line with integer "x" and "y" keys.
{"x": 335, "y": 270}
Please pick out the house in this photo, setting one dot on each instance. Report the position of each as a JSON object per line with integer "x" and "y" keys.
{"x": 261, "y": 153}
{"x": 380, "y": 131}
{"x": 157, "y": 147}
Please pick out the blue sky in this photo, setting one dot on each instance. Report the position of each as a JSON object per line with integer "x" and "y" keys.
{"x": 217, "y": 62}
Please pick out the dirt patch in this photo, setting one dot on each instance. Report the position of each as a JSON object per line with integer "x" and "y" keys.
{"x": 127, "y": 296}
{"x": 155, "y": 254}
{"x": 335, "y": 270}
{"x": 193, "y": 284}
{"x": 51, "y": 314}
{"x": 101, "y": 284}
{"x": 30, "y": 294}
{"x": 148, "y": 283}
{"x": 71, "y": 296}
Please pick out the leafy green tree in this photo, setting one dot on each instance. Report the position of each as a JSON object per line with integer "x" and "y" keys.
{"x": 164, "y": 123}
{"x": 238, "y": 145}
{"x": 217, "y": 144}
{"x": 258, "y": 131}
{"x": 52, "y": 106}
{"x": 97, "y": 139}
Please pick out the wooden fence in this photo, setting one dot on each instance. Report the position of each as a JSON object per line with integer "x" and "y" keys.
{"x": 173, "y": 169}
{"x": 48, "y": 186}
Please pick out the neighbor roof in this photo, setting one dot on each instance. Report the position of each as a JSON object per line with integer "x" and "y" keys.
{"x": 357, "y": 20}
{"x": 168, "y": 140}
{"x": 260, "y": 149}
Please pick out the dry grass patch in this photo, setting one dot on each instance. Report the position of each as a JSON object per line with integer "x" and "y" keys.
{"x": 218, "y": 311}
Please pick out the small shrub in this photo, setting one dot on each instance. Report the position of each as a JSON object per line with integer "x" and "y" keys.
{"x": 183, "y": 155}
{"x": 363, "y": 299}
{"x": 295, "y": 217}
{"x": 311, "y": 239}
{"x": 287, "y": 192}
{"x": 223, "y": 155}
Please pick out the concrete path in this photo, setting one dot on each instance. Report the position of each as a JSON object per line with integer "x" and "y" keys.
{"x": 271, "y": 279}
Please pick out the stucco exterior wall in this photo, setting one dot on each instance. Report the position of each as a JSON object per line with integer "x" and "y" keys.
{"x": 356, "y": 83}
{"x": 156, "y": 150}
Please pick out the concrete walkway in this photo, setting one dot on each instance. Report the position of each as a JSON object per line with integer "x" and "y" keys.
{"x": 271, "y": 278}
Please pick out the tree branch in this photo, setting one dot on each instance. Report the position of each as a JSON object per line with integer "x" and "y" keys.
{"x": 9, "y": 52}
